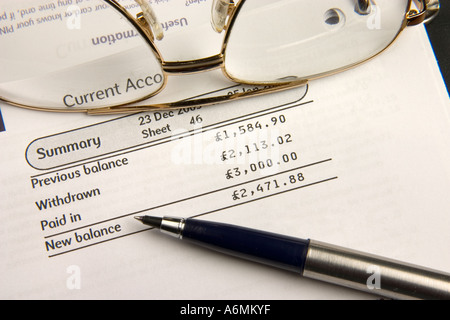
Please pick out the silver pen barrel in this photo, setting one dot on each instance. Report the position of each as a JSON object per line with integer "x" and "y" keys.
{"x": 374, "y": 274}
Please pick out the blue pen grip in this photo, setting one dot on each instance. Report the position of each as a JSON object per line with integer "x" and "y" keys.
{"x": 281, "y": 251}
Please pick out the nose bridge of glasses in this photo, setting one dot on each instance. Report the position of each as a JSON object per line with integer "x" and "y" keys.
{"x": 193, "y": 66}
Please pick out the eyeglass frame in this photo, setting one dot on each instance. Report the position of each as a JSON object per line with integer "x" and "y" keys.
{"x": 145, "y": 23}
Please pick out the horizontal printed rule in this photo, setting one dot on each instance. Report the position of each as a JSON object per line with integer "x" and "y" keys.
{"x": 131, "y": 132}
{"x": 63, "y": 239}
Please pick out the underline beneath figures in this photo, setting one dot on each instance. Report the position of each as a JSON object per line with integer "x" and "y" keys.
{"x": 169, "y": 139}
{"x": 90, "y": 234}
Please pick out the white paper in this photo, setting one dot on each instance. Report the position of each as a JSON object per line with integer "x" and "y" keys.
{"x": 360, "y": 159}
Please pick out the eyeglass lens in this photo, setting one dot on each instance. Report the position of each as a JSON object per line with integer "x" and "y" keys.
{"x": 59, "y": 55}
{"x": 284, "y": 40}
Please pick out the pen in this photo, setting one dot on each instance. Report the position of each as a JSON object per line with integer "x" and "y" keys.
{"x": 311, "y": 259}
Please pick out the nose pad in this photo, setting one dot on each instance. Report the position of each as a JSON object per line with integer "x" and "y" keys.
{"x": 219, "y": 14}
{"x": 149, "y": 16}
{"x": 144, "y": 25}
{"x": 363, "y": 7}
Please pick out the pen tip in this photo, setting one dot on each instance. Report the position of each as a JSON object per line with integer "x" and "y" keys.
{"x": 150, "y": 221}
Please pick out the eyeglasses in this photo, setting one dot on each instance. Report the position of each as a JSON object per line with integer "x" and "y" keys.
{"x": 273, "y": 44}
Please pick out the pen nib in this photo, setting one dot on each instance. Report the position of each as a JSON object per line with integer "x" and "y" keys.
{"x": 150, "y": 221}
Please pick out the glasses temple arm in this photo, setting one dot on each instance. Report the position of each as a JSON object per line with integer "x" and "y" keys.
{"x": 198, "y": 102}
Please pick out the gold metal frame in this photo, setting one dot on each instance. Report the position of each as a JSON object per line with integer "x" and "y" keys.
{"x": 428, "y": 9}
